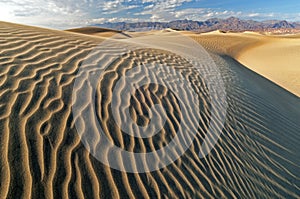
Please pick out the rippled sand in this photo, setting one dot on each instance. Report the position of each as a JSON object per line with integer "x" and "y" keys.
{"x": 42, "y": 156}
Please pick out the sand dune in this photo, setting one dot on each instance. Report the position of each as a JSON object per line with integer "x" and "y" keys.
{"x": 96, "y": 31}
{"x": 42, "y": 155}
{"x": 274, "y": 57}
{"x": 277, "y": 60}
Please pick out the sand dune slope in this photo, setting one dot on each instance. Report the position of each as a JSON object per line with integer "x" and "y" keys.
{"x": 96, "y": 31}
{"x": 42, "y": 155}
{"x": 274, "y": 57}
{"x": 278, "y": 60}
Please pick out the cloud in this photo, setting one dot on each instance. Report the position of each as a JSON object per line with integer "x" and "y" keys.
{"x": 75, "y": 13}
{"x": 49, "y": 13}
{"x": 253, "y": 14}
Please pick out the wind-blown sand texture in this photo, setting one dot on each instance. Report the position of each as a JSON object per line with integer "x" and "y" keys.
{"x": 274, "y": 57}
{"x": 42, "y": 156}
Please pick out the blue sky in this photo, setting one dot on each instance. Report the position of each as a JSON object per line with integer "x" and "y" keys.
{"x": 76, "y": 13}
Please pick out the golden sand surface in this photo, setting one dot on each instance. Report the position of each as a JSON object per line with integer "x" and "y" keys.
{"x": 42, "y": 155}
{"x": 275, "y": 57}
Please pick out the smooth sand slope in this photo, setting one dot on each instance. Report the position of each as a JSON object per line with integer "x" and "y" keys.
{"x": 96, "y": 31}
{"x": 274, "y": 57}
{"x": 42, "y": 155}
{"x": 277, "y": 60}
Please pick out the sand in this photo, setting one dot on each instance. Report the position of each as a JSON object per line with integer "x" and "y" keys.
{"x": 275, "y": 57}
{"x": 277, "y": 60}
{"x": 95, "y": 31}
{"x": 42, "y": 156}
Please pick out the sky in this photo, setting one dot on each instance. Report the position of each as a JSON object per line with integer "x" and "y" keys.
{"x": 63, "y": 14}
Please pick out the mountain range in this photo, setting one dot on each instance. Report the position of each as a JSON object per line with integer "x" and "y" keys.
{"x": 230, "y": 24}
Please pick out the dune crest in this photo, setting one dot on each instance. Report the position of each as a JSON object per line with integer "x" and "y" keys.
{"x": 42, "y": 155}
{"x": 275, "y": 57}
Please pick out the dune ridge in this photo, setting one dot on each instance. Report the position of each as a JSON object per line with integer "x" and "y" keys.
{"x": 42, "y": 155}
{"x": 274, "y": 57}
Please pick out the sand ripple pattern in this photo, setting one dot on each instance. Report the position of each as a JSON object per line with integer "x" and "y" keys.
{"x": 124, "y": 67}
{"x": 42, "y": 155}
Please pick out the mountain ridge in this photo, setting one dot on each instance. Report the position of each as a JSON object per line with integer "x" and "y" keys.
{"x": 228, "y": 24}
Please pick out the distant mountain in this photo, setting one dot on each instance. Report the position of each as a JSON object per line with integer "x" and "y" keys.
{"x": 229, "y": 24}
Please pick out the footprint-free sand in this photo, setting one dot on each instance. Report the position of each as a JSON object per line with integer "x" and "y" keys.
{"x": 42, "y": 155}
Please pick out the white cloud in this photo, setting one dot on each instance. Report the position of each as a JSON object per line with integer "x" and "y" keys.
{"x": 109, "y": 5}
{"x": 253, "y": 14}
{"x": 50, "y": 13}
{"x": 118, "y": 9}
{"x": 72, "y": 13}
